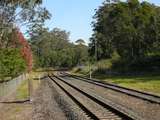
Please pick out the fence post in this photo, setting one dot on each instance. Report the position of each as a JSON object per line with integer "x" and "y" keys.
{"x": 30, "y": 87}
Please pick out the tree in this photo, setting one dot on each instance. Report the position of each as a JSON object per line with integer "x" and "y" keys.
{"x": 80, "y": 41}
{"x": 11, "y": 63}
{"x": 53, "y": 49}
{"x": 15, "y": 52}
{"x": 16, "y": 58}
{"x": 25, "y": 50}
{"x": 81, "y": 51}
{"x": 20, "y": 13}
{"x": 129, "y": 28}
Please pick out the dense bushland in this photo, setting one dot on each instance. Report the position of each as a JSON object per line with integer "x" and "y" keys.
{"x": 130, "y": 29}
{"x": 53, "y": 49}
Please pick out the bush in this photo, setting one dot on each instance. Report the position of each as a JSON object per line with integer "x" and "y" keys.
{"x": 11, "y": 63}
{"x": 151, "y": 63}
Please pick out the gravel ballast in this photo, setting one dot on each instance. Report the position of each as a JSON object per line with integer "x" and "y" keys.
{"x": 44, "y": 105}
{"x": 142, "y": 108}
{"x": 51, "y": 103}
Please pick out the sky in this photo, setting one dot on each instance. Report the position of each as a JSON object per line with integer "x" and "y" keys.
{"x": 75, "y": 16}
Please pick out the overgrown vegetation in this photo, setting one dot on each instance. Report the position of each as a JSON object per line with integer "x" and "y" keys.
{"x": 131, "y": 30}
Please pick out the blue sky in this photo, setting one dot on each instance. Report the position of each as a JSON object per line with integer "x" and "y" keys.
{"x": 74, "y": 16}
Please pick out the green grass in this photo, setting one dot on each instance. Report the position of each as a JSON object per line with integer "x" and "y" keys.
{"x": 22, "y": 91}
{"x": 149, "y": 83}
{"x": 84, "y": 70}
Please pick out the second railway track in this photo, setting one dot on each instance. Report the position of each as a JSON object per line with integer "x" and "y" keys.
{"x": 94, "y": 106}
{"x": 131, "y": 92}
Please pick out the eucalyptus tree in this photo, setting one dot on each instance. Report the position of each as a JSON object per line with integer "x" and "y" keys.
{"x": 15, "y": 14}
{"x": 81, "y": 51}
{"x": 54, "y": 49}
{"x": 130, "y": 28}
{"x": 18, "y": 13}
{"x": 80, "y": 41}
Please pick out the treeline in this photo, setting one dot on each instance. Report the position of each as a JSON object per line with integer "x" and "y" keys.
{"x": 15, "y": 52}
{"x": 131, "y": 30}
{"x": 53, "y": 49}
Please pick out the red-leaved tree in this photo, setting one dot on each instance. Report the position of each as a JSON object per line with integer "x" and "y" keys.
{"x": 25, "y": 50}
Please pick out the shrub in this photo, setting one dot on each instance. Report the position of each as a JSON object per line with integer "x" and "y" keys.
{"x": 11, "y": 62}
{"x": 150, "y": 63}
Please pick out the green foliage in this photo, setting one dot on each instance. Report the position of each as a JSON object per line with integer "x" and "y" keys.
{"x": 131, "y": 28}
{"x": 151, "y": 63}
{"x": 149, "y": 83}
{"x": 81, "y": 71}
{"x": 28, "y": 13}
{"x": 80, "y": 41}
{"x": 53, "y": 49}
{"x": 11, "y": 63}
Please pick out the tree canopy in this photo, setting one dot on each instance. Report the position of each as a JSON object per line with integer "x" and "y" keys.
{"x": 80, "y": 41}
{"x": 18, "y": 13}
{"x": 131, "y": 28}
{"x": 53, "y": 49}
{"x": 15, "y": 52}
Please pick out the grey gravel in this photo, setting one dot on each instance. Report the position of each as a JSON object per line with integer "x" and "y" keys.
{"x": 51, "y": 103}
{"x": 44, "y": 105}
{"x": 72, "y": 111}
{"x": 98, "y": 110}
{"x": 145, "y": 109}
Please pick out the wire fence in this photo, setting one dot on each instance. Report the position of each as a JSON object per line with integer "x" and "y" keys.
{"x": 10, "y": 86}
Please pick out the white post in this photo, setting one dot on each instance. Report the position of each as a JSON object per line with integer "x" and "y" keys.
{"x": 90, "y": 71}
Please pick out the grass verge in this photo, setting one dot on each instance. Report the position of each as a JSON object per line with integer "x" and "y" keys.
{"x": 22, "y": 91}
{"x": 149, "y": 83}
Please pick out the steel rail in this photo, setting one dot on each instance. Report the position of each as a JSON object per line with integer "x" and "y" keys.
{"x": 131, "y": 92}
{"x": 87, "y": 111}
{"x": 124, "y": 113}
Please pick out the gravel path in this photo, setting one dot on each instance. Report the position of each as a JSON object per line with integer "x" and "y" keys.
{"x": 142, "y": 108}
{"x": 44, "y": 105}
{"x": 51, "y": 103}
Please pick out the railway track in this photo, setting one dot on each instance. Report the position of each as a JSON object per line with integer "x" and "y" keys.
{"x": 131, "y": 92}
{"x": 94, "y": 106}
